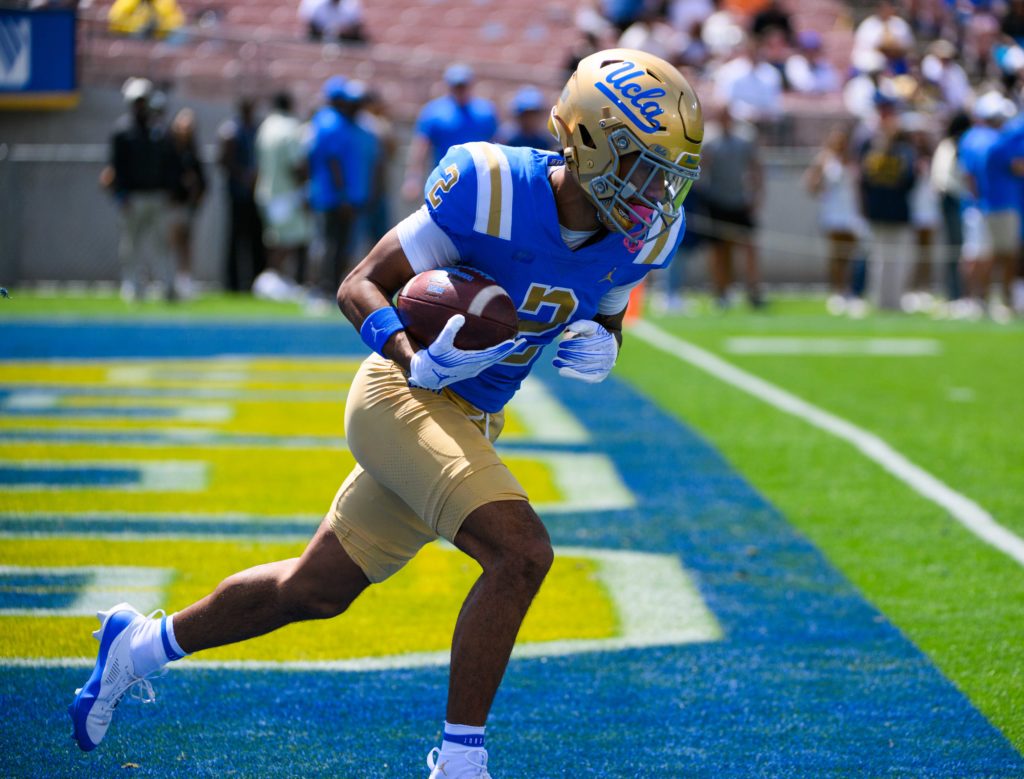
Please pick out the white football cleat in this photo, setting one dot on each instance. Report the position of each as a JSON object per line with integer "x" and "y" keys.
{"x": 471, "y": 764}
{"x": 112, "y": 676}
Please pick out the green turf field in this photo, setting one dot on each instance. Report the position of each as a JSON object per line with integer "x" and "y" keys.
{"x": 958, "y": 414}
{"x": 956, "y": 410}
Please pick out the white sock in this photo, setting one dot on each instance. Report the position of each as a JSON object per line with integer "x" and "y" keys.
{"x": 461, "y": 738}
{"x": 153, "y": 646}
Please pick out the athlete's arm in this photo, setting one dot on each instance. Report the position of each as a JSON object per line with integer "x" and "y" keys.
{"x": 613, "y": 324}
{"x": 371, "y": 285}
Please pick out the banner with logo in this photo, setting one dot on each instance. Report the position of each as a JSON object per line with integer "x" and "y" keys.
{"x": 37, "y": 58}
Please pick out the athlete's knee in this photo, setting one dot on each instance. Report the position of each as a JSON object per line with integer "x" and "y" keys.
{"x": 525, "y": 562}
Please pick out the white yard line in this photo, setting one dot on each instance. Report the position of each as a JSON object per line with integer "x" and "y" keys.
{"x": 961, "y": 508}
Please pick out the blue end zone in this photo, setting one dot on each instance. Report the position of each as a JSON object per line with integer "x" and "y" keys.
{"x": 809, "y": 680}
{"x": 40, "y": 590}
{"x": 90, "y": 476}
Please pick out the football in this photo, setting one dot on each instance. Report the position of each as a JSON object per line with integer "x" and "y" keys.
{"x": 430, "y": 299}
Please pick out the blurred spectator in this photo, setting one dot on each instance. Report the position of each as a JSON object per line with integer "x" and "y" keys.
{"x": 145, "y": 18}
{"x": 941, "y": 67}
{"x": 187, "y": 182}
{"x": 990, "y": 164}
{"x": 374, "y": 117}
{"x": 886, "y": 33}
{"x": 587, "y": 42}
{"x": 925, "y": 215}
{"x": 980, "y": 38}
{"x": 775, "y": 51}
{"x": 529, "y": 125}
{"x": 773, "y": 16}
{"x": 331, "y": 142}
{"x": 947, "y": 178}
{"x": 732, "y": 185}
{"x": 808, "y": 69}
{"x": 280, "y": 166}
{"x": 455, "y": 118}
{"x": 685, "y": 14}
{"x": 750, "y": 86}
{"x": 667, "y": 296}
{"x": 245, "y": 255}
{"x": 832, "y": 180}
{"x": 340, "y": 20}
{"x": 652, "y": 33}
{"x": 359, "y": 162}
{"x": 138, "y": 158}
{"x": 622, "y": 13}
{"x": 887, "y": 166}
{"x": 871, "y": 80}
{"x": 722, "y": 32}
{"x": 1012, "y": 24}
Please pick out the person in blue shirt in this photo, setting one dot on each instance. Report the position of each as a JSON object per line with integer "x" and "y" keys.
{"x": 991, "y": 219}
{"x": 529, "y": 124}
{"x": 567, "y": 236}
{"x": 329, "y": 142}
{"x": 457, "y": 117}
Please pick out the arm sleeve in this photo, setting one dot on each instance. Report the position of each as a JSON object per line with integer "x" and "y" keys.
{"x": 425, "y": 244}
{"x": 616, "y": 299}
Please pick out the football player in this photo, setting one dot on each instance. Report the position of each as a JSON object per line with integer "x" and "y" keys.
{"x": 567, "y": 235}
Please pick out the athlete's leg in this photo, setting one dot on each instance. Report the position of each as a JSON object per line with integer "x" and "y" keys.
{"x": 322, "y": 583}
{"x": 512, "y": 546}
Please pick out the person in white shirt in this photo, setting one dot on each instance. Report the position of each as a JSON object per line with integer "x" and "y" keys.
{"x": 887, "y": 33}
{"x": 832, "y": 180}
{"x": 333, "y": 19}
{"x": 808, "y": 69}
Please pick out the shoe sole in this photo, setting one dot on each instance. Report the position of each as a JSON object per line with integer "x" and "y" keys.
{"x": 85, "y": 696}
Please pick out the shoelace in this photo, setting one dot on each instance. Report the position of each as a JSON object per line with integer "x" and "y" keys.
{"x": 434, "y": 754}
{"x": 139, "y": 687}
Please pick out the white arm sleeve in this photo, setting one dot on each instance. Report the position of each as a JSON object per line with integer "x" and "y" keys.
{"x": 615, "y": 299}
{"x": 425, "y": 244}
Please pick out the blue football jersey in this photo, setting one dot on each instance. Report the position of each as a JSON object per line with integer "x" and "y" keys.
{"x": 497, "y": 206}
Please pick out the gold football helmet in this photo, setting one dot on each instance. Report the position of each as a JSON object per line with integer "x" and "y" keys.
{"x": 630, "y": 127}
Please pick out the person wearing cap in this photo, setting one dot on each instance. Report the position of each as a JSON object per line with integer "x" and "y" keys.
{"x": 138, "y": 181}
{"x": 457, "y": 117}
{"x": 888, "y": 168}
{"x": 529, "y": 124}
{"x": 329, "y": 145}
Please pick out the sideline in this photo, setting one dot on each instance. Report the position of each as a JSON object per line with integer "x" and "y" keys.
{"x": 961, "y": 508}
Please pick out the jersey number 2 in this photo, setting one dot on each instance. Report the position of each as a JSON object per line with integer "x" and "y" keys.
{"x": 443, "y": 184}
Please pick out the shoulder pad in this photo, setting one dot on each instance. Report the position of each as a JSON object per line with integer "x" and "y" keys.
{"x": 470, "y": 190}
{"x": 661, "y": 250}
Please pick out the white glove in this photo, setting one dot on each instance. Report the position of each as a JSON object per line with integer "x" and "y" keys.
{"x": 441, "y": 364}
{"x": 589, "y": 355}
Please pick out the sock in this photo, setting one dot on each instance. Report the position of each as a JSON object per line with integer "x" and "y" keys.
{"x": 153, "y": 646}
{"x": 461, "y": 738}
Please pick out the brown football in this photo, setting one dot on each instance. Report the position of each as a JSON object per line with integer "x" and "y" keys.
{"x": 430, "y": 299}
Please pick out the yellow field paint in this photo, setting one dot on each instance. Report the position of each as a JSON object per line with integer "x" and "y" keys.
{"x": 263, "y": 481}
{"x": 415, "y": 611}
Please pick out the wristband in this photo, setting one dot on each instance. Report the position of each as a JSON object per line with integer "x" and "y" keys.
{"x": 379, "y": 326}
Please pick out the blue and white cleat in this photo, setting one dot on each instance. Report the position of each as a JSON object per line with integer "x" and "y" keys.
{"x": 471, "y": 764}
{"x": 112, "y": 676}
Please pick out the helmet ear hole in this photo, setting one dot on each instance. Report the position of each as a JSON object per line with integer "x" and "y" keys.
{"x": 585, "y": 136}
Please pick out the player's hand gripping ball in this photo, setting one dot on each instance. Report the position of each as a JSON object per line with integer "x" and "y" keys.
{"x": 468, "y": 322}
{"x": 430, "y": 299}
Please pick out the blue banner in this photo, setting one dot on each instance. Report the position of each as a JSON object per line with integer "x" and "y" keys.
{"x": 37, "y": 58}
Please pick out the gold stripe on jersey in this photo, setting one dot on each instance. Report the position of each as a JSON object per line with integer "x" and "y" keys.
{"x": 494, "y": 172}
